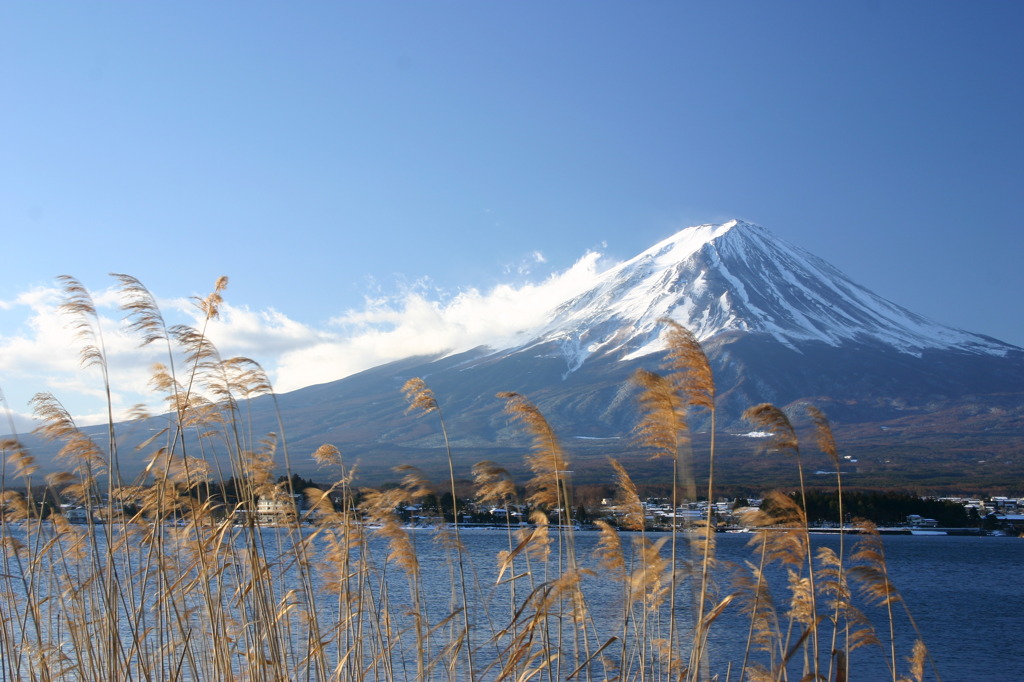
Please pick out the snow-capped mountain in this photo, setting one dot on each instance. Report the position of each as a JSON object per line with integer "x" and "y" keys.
{"x": 778, "y": 324}
{"x": 738, "y": 278}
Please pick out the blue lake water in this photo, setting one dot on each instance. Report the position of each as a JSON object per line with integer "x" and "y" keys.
{"x": 964, "y": 593}
{"x": 967, "y": 597}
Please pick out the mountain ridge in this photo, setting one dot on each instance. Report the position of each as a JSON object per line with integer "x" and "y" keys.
{"x": 798, "y": 299}
{"x": 683, "y": 275}
{"x": 778, "y": 325}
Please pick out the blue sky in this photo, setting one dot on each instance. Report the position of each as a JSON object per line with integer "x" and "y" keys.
{"x": 373, "y": 176}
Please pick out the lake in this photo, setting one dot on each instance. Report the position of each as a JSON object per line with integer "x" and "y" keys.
{"x": 963, "y": 592}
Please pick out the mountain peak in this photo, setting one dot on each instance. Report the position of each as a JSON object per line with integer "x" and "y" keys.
{"x": 738, "y": 278}
{"x": 688, "y": 240}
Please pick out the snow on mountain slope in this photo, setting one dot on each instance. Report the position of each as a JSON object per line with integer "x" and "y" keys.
{"x": 738, "y": 277}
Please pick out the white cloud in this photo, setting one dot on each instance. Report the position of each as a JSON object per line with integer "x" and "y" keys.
{"x": 241, "y": 331}
{"x": 41, "y": 355}
{"x": 388, "y": 329}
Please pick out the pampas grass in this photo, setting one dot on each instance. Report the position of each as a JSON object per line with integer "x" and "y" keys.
{"x": 420, "y": 397}
{"x": 210, "y": 566}
{"x": 783, "y": 439}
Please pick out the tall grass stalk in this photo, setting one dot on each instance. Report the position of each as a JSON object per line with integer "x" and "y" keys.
{"x": 690, "y": 372}
{"x": 827, "y": 444}
{"x": 420, "y": 397}
{"x": 784, "y": 439}
{"x": 549, "y": 490}
{"x": 663, "y": 428}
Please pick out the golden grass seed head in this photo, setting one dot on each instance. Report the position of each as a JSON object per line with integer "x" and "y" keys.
{"x": 419, "y": 396}
{"x": 58, "y": 479}
{"x": 775, "y": 421}
{"x": 800, "y": 598}
{"x": 210, "y": 305}
{"x": 22, "y": 464}
{"x": 650, "y": 581}
{"x": 327, "y": 455}
{"x": 493, "y": 483}
{"x": 546, "y": 459}
{"x": 823, "y": 433}
{"x": 414, "y": 482}
{"x": 141, "y": 310}
{"x": 245, "y": 377}
{"x": 688, "y": 366}
{"x": 628, "y": 498}
{"x": 609, "y": 550}
{"x": 663, "y": 426}
{"x": 14, "y": 505}
{"x": 917, "y": 659}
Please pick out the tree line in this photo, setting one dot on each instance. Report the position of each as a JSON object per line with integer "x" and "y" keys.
{"x": 884, "y": 508}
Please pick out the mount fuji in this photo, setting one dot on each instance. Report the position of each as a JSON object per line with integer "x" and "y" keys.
{"x": 739, "y": 278}
{"x": 912, "y": 402}
{"x": 916, "y": 398}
